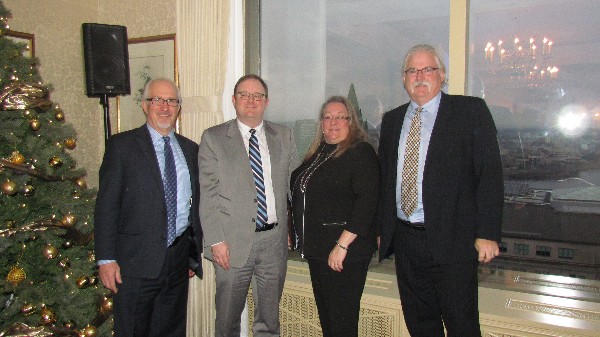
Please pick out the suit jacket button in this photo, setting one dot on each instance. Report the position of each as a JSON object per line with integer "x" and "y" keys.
{"x": 255, "y": 201}
{"x": 253, "y": 220}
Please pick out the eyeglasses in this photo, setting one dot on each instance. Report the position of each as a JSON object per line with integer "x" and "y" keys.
{"x": 244, "y": 96}
{"x": 172, "y": 102}
{"x": 424, "y": 71}
{"x": 336, "y": 118}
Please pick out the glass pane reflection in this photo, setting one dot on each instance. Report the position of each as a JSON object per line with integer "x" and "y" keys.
{"x": 536, "y": 67}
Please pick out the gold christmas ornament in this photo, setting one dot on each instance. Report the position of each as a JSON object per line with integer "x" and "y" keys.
{"x": 70, "y": 325}
{"x": 69, "y": 220}
{"x": 27, "y": 190}
{"x": 9, "y": 187}
{"x": 10, "y": 224}
{"x": 55, "y": 162}
{"x": 91, "y": 256}
{"x": 48, "y": 316}
{"x": 27, "y": 309}
{"x": 81, "y": 182}
{"x": 34, "y": 124}
{"x": 49, "y": 251}
{"x": 17, "y": 158}
{"x": 106, "y": 306}
{"x": 16, "y": 275}
{"x": 27, "y": 113}
{"x": 19, "y": 96}
{"x": 70, "y": 143}
{"x": 64, "y": 264}
{"x": 93, "y": 280}
{"x": 59, "y": 115}
{"x": 82, "y": 282}
{"x": 89, "y": 331}
{"x": 76, "y": 195}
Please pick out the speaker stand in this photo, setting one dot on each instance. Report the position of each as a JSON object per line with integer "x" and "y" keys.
{"x": 104, "y": 102}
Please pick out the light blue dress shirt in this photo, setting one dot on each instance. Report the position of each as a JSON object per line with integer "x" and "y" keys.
{"x": 428, "y": 116}
{"x": 184, "y": 185}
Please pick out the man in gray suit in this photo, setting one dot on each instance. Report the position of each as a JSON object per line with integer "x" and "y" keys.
{"x": 245, "y": 166}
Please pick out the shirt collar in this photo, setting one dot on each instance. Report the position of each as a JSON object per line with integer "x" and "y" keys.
{"x": 430, "y": 106}
{"x": 245, "y": 129}
{"x": 155, "y": 135}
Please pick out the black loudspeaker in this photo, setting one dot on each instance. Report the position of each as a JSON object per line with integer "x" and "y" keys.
{"x": 106, "y": 60}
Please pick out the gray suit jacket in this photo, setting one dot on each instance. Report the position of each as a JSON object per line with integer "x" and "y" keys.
{"x": 227, "y": 203}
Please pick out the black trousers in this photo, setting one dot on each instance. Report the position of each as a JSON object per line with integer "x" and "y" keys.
{"x": 338, "y": 295}
{"x": 434, "y": 295}
{"x": 155, "y": 307}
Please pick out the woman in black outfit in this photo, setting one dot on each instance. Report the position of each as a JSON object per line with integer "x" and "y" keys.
{"x": 334, "y": 197}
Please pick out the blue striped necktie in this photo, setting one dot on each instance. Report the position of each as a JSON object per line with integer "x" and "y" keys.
{"x": 259, "y": 181}
{"x": 170, "y": 184}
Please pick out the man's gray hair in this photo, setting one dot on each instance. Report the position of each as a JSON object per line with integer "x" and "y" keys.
{"x": 161, "y": 79}
{"x": 428, "y": 49}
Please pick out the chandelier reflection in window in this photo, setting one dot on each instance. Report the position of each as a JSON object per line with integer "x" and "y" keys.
{"x": 526, "y": 66}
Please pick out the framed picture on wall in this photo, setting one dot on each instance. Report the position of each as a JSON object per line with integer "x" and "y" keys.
{"x": 149, "y": 58}
{"x": 21, "y": 37}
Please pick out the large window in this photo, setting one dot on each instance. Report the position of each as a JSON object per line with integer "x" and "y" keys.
{"x": 535, "y": 64}
{"x": 313, "y": 49}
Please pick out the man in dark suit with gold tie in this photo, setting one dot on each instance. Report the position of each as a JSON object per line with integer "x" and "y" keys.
{"x": 441, "y": 198}
{"x": 146, "y": 219}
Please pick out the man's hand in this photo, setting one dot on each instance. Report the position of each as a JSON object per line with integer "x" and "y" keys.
{"x": 220, "y": 253}
{"x": 487, "y": 249}
{"x": 110, "y": 274}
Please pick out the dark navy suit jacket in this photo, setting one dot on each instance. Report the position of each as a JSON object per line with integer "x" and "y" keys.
{"x": 463, "y": 192}
{"x": 130, "y": 219}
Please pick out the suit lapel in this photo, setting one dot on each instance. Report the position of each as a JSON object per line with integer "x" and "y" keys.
{"x": 236, "y": 153}
{"x": 149, "y": 155}
{"x": 396, "y": 132}
{"x": 275, "y": 156}
{"x": 186, "y": 153}
{"x": 439, "y": 128}
{"x": 274, "y": 146}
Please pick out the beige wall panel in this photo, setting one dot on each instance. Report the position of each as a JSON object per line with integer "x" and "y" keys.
{"x": 56, "y": 25}
{"x": 58, "y": 46}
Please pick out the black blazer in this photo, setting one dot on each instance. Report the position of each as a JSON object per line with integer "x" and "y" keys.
{"x": 340, "y": 195}
{"x": 130, "y": 219}
{"x": 463, "y": 192}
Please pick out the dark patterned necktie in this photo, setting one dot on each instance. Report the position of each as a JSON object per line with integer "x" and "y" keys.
{"x": 259, "y": 181}
{"x": 410, "y": 170}
{"x": 170, "y": 184}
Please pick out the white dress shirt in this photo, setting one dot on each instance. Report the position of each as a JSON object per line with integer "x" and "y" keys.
{"x": 265, "y": 157}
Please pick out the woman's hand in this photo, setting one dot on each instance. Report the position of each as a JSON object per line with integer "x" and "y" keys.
{"x": 336, "y": 258}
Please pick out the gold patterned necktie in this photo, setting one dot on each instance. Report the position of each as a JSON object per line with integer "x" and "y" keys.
{"x": 410, "y": 170}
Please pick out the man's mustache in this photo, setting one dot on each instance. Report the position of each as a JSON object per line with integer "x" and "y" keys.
{"x": 418, "y": 83}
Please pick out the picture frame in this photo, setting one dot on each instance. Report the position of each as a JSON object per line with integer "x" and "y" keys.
{"x": 21, "y": 37}
{"x": 149, "y": 58}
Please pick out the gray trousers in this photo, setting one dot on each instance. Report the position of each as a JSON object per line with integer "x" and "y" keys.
{"x": 267, "y": 263}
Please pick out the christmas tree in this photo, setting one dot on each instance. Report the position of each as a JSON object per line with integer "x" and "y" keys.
{"x": 48, "y": 277}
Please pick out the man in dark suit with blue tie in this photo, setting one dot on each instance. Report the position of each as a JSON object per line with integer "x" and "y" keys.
{"x": 146, "y": 222}
{"x": 441, "y": 199}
